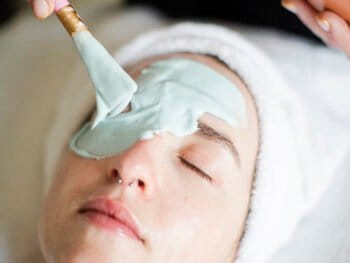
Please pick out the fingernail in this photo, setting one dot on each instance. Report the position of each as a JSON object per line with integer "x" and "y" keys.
{"x": 289, "y": 6}
{"x": 41, "y": 8}
{"x": 323, "y": 23}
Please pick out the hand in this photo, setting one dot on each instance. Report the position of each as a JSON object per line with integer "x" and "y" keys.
{"x": 327, "y": 25}
{"x": 42, "y": 8}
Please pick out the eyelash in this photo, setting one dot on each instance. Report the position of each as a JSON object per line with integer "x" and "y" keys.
{"x": 195, "y": 169}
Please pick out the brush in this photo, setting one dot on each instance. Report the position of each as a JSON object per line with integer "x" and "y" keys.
{"x": 114, "y": 88}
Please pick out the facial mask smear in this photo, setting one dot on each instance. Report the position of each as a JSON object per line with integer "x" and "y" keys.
{"x": 172, "y": 95}
{"x": 113, "y": 86}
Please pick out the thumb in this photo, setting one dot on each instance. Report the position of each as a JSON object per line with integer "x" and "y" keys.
{"x": 43, "y": 8}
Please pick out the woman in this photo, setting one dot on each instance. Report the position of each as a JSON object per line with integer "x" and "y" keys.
{"x": 172, "y": 202}
{"x": 174, "y": 187}
{"x": 171, "y": 216}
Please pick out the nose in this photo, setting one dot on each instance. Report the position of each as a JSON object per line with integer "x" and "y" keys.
{"x": 137, "y": 167}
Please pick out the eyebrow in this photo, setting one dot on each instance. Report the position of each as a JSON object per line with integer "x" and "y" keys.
{"x": 211, "y": 134}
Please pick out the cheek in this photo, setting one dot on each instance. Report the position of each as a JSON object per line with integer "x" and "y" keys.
{"x": 196, "y": 216}
{"x": 73, "y": 179}
{"x": 197, "y": 224}
{"x": 220, "y": 223}
{"x": 72, "y": 182}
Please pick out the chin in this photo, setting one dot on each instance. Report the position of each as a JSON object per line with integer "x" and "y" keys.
{"x": 81, "y": 242}
{"x": 86, "y": 256}
{"x": 97, "y": 250}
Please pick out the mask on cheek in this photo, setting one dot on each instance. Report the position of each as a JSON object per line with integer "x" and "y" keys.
{"x": 171, "y": 96}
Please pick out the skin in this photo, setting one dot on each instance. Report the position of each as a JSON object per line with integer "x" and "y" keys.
{"x": 182, "y": 216}
{"x": 42, "y": 8}
{"x": 330, "y": 27}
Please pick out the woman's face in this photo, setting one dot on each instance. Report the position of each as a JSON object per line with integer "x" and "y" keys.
{"x": 182, "y": 215}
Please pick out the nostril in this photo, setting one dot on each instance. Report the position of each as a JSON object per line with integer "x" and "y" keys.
{"x": 141, "y": 184}
{"x": 114, "y": 174}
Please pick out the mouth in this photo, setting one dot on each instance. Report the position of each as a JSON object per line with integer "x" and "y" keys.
{"x": 112, "y": 216}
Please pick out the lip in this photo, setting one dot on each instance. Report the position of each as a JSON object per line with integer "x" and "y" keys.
{"x": 112, "y": 216}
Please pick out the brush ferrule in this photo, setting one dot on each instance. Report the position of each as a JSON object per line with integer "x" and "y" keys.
{"x": 71, "y": 20}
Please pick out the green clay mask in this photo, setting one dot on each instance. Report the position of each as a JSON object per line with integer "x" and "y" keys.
{"x": 171, "y": 96}
{"x": 113, "y": 86}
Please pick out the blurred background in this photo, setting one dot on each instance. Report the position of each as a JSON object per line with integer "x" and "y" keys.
{"x": 265, "y": 13}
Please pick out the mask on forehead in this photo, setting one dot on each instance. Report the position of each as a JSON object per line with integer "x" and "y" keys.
{"x": 171, "y": 96}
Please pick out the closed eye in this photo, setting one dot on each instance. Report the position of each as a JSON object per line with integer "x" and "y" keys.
{"x": 195, "y": 169}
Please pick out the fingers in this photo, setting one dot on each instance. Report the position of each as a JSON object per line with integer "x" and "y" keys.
{"x": 307, "y": 14}
{"x": 328, "y": 26}
{"x": 42, "y": 8}
{"x": 336, "y": 30}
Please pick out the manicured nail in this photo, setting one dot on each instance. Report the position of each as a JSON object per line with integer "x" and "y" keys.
{"x": 41, "y": 8}
{"x": 289, "y": 6}
{"x": 323, "y": 23}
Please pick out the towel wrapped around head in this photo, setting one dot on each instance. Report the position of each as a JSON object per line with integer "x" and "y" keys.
{"x": 277, "y": 197}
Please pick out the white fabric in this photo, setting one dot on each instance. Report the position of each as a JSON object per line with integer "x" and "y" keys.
{"x": 317, "y": 74}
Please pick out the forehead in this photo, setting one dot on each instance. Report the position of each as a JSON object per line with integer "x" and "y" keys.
{"x": 135, "y": 69}
{"x": 245, "y": 138}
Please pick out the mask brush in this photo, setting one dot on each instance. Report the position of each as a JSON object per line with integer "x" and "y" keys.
{"x": 114, "y": 88}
